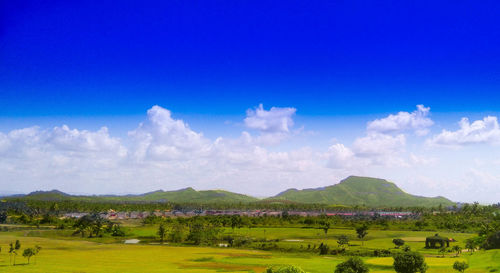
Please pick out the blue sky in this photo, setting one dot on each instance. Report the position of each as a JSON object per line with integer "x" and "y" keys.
{"x": 340, "y": 65}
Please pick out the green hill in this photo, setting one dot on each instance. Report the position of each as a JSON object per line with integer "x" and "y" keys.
{"x": 179, "y": 196}
{"x": 355, "y": 190}
{"x": 352, "y": 191}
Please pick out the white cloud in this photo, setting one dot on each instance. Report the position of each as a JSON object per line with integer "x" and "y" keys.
{"x": 63, "y": 138}
{"x": 339, "y": 156}
{"x": 162, "y": 137}
{"x": 165, "y": 153}
{"x": 375, "y": 144}
{"x": 480, "y": 131}
{"x": 33, "y": 140}
{"x": 416, "y": 121}
{"x": 276, "y": 120}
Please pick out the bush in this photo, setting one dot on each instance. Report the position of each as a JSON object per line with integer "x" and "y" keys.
{"x": 409, "y": 262}
{"x": 398, "y": 242}
{"x": 3, "y": 217}
{"x": 323, "y": 249}
{"x": 353, "y": 265}
{"x": 382, "y": 253}
{"x": 493, "y": 241}
{"x": 285, "y": 269}
{"x": 460, "y": 266}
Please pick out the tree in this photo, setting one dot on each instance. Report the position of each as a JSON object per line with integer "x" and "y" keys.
{"x": 460, "y": 266}
{"x": 285, "y": 269}
{"x": 398, "y": 242}
{"x": 28, "y": 253}
{"x": 116, "y": 230}
{"x": 325, "y": 225}
{"x": 177, "y": 233}
{"x": 409, "y": 262}
{"x": 162, "y": 232}
{"x": 323, "y": 249}
{"x": 37, "y": 250}
{"x": 91, "y": 223}
{"x": 353, "y": 265}
{"x": 343, "y": 240}
{"x": 11, "y": 251}
{"x": 457, "y": 250}
{"x": 362, "y": 231}
{"x": 471, "y": 244}
{"x": 3, "y": 217}
{"x": 17, "y": 246}
{"x": 199, "y": 233}
{"x": 236, "y": 221}
{"x": 492, "y": 241}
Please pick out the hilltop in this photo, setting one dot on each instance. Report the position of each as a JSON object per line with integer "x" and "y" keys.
{"x": 356, "y": 190}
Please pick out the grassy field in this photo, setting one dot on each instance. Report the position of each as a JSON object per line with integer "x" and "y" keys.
{"x": 64, "y": 253}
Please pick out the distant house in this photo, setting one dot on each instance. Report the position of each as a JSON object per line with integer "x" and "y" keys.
{"x": 433, "y": 241}
{"x": 134, "y": 215}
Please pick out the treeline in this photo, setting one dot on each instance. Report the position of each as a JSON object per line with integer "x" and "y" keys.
{"x": 466, "y": 218}
{"x": 100, "y": 206}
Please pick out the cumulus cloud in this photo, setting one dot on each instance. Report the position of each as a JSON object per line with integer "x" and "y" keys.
{"x": 33, "y": 140}
{"x": 162, "y": 137}
{"x": 384, "y": 142}
{"x": 375, "y": 144}
{"x": 417, "y": 121}
{"x": 480, "y": 131}
{"x": 166, "y": 153}
{"x": 64, "y": 138}
{"x": 275, "y": 120}
{"x": 339, "y": 156}
{"x": 59, "y": 157}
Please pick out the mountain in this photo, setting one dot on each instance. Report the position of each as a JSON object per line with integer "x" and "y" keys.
{"x": 356, "y": 190}
{"x": 179, "y": 196}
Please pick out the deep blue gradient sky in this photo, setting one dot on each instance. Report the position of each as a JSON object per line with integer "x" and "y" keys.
{"x": 373, "y": 88}
{"x": 327, "y": 58}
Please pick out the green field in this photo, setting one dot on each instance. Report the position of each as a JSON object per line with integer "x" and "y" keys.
{"x": 65, "y": 253}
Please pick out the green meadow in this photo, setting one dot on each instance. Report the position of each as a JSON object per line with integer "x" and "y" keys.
{"x": 63, "y": 252}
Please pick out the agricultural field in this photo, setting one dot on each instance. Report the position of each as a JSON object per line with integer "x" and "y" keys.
{"x": 63, "y": 252}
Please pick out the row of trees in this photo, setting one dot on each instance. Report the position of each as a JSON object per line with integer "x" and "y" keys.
{"x": 94, "y": 225}
{"x": 470, "y": 218}
{"x": 14, "y": 251}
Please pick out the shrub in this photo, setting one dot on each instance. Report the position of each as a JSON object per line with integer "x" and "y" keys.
{"x": 493, "y": 241}
{"x": 398, "y": 242}
{"x": 285, "y": 269}
{"x": 409, "y": 262}
{"x": 353, "y": 265}
{"x": 323, "y": 249}
{"x": 460, "y": 266}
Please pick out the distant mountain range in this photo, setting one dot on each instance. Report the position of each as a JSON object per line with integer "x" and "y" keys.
{"x": 354, "y": 190}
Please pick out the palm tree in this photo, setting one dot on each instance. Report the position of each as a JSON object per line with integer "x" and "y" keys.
{"x": 16, "y": 248}
{"x": 37, "y": 250}
{"x": 457, "y": 250}
{"x": 11, "y": 250}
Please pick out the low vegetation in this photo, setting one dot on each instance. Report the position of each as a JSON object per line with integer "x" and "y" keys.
{"x": 430, "y": 239}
